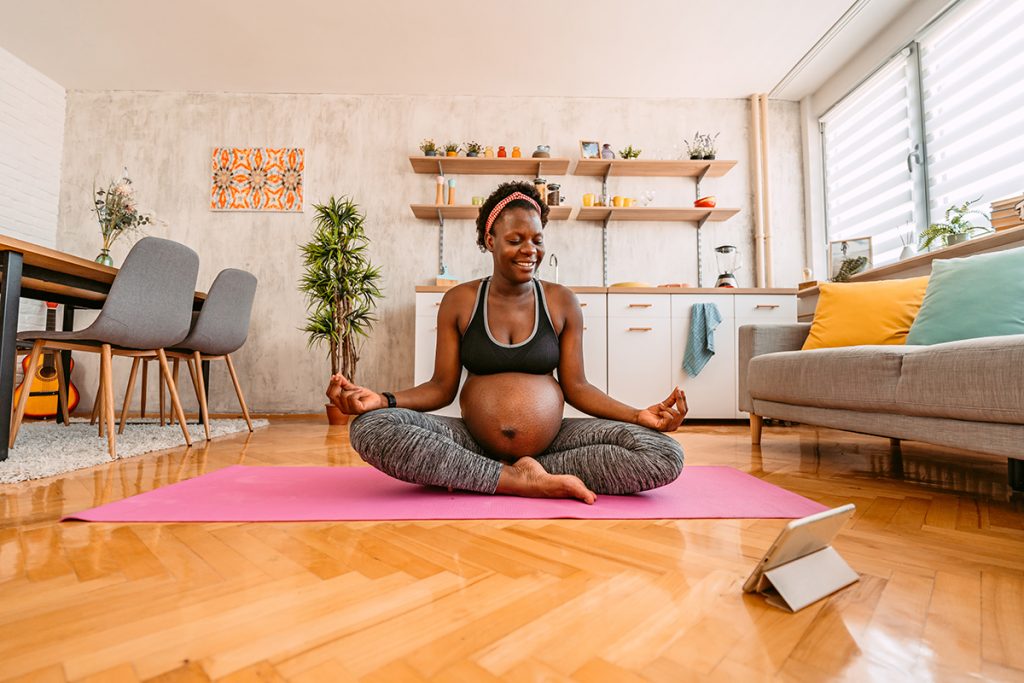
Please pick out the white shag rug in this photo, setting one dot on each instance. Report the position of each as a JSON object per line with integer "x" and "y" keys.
{"x": 44, "y": 449}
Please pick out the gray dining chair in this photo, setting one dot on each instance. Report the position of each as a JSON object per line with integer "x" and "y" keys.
{"x": 148, "y": 309}
{"x": 220, "y": 329}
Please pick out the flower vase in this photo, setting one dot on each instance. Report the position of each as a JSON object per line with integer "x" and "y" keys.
{"x": 104, "y": 258}
{"x": 908, "y": 251}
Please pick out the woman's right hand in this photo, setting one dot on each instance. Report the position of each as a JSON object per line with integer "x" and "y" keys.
{"x": 353, "y": 399}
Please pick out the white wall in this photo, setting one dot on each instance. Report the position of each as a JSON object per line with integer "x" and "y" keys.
{"x": 873, "y": 55}
{"x": 359, "y": 145}
{"x": 31, "y": 144}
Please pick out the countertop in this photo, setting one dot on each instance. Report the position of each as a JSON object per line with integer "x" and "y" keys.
{"x": 420, "y": 289}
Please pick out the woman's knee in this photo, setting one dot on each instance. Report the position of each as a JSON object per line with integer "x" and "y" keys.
{"x": 666, "y": 456}
{"x": 372, "y": 432}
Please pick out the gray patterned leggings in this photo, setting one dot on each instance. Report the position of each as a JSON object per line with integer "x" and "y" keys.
{"x": 610, "y": 457}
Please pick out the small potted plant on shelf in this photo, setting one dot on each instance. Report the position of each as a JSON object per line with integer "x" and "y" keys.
{"x": 340, "y": 286}
{"x": 429, "y": 148}
{"x": 957, "y": 228}
{"x": 473, "y": 149}
{"x": 630, "y": 152}
{"x": 703, "y": 146}
{"x": 451, "y": 149}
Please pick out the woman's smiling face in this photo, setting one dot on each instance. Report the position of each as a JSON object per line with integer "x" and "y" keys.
{"x": 517, "y": 243}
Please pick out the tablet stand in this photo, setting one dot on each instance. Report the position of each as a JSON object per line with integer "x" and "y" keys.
{"x": 796, "y": 584}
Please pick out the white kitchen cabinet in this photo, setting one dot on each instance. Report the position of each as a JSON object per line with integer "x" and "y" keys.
{"x": 595, "y": 344}
{"x": 639, "y": 348}
{"x": 754, "y": 309}
{"x": 712, "y": 393}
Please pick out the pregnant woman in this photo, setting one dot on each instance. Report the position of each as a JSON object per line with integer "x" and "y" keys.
{"x": 511, "y": 331}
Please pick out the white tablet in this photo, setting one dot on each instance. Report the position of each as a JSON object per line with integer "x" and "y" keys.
{"x": 799, "y": 538}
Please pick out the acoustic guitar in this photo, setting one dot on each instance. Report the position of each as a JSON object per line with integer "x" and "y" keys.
{"x": 42, "y": 397}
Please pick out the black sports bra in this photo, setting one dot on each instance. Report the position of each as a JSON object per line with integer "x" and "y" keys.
{"x": 482, "y": 354}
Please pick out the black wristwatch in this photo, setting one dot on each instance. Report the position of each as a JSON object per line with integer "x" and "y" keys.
{"x": 392, "y": 403}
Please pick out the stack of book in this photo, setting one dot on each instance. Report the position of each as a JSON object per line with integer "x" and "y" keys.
{"x": 1008, "y": 213}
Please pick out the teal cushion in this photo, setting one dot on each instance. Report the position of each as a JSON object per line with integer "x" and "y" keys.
{"x": 977, "y": 296}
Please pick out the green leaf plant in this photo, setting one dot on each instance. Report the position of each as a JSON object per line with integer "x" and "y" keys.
{"x": 956, "y": 223}
{"x": 339, "y": 283}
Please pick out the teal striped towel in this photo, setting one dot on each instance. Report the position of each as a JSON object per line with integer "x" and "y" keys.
{"x": 700, "y": 344}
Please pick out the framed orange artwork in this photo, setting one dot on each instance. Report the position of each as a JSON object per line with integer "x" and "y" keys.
{"x": 257, "y": 178}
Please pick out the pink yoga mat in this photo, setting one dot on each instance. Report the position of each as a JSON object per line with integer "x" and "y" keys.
{"x": 294, "y": 494}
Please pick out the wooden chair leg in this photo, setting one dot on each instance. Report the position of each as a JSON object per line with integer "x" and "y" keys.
{"x": 165, "y": 370}
{"x": 238, "y": 391}
{"x": 201, "y": 393}
{"x": 106, "y": 361}
{"x": 62, "y": 392}
{"x": 26, "y": 389}
{"x": 97, "y": 401}
{"x": 160, "y": 385}
{"x": 191, "y": 365}
{"x": 128, "y": 394}
{"x": 756, "y": 421}
{"x": 142, "y": 400}
{"x": 174, "y": 374}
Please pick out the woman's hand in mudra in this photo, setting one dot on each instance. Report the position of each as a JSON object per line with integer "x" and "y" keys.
{"x": 353, "y": 399}
{"x": 667, "y": 415}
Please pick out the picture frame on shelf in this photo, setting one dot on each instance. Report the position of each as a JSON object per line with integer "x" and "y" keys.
{"x": 848, "y": 257}
{"x": 590, "y": 149}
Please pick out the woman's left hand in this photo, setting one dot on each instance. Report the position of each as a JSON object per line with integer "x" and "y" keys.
{"x": 667, "y": 415}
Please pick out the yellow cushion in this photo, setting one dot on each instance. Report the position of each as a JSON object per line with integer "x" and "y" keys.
{"x": 855, "y": 313}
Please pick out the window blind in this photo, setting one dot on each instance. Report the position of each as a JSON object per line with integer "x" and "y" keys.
{"x": 866, "y": 140}
{"x": 972, "y": 74}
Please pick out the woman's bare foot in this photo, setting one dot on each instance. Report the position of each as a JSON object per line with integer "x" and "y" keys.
{"x": 528, "y": 478}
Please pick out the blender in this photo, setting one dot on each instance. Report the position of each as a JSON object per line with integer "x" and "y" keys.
{"x": 728, "y": 258}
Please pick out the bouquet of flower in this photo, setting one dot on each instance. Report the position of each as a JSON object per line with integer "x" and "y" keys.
{"x": 117, "y": 211}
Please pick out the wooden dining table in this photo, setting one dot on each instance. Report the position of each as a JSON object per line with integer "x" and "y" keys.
{"x": 36, "y": 272}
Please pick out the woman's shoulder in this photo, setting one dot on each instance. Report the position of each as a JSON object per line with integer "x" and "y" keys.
{"x": 553, "y": 290}
{"x": 460, "y": 293}
{"x": 559, "y": 296}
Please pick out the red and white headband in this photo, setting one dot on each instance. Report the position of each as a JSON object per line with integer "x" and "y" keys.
{"x": 505, "y": 202}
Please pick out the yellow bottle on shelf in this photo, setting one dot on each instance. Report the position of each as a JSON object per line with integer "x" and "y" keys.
{"x": 451, "y": 191}
{"x": 439, "y": 198}
{"x": 516, "y": 153}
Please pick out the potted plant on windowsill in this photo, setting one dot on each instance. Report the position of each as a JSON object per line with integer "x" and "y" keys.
{"x": 957, "y": 228}
{"x": 340, "y": 286}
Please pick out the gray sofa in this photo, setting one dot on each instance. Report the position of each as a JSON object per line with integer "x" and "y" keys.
{"x": 966, "y": 394}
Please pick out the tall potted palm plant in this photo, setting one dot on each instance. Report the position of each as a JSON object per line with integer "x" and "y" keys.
{"x": 340, "y": 286}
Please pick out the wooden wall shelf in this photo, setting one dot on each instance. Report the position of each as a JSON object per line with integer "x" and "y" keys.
{"x": 527, "y": 166}
{"x": 682, "y": 168}
{"x": 429, "y": 211}
{"x": 654, "y": 213}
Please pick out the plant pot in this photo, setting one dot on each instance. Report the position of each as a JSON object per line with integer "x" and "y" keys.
{"x": 451, "y": 154}
{"x": 957, "y": 239}
{"x": 695, "y": 157}
{"x": 709, "y": 157}
{"x": 335, "y": 416}
{"x": 431, "y": 153}
{"x": 472, "y": 154}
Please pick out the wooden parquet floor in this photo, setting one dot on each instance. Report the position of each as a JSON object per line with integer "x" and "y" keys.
{"x": 937, "y": 540}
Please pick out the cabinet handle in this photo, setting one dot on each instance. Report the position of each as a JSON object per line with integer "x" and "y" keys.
{"x": 437, "y": 303}
{"x": 640, "y": 305}
{"x": 583, "y": 304}
{"x": 584, "y": 328}
{"x": 767, "y": 306}
{"x": 639, "y": 329}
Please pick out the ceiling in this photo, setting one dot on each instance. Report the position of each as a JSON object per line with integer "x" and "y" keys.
{"x": 563, "y": 48}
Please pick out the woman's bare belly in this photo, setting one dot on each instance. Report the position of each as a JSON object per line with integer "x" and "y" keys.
{"x": 512, "y": 414}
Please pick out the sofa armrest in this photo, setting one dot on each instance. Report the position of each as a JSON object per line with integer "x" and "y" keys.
{"x": 757, "y": 340}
